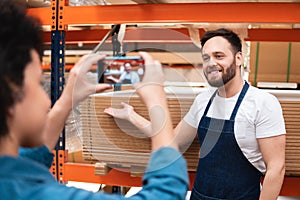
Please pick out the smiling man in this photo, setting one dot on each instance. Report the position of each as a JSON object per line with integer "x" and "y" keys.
{"x": 240, "y": 128}
{"x": 219, "y": 75}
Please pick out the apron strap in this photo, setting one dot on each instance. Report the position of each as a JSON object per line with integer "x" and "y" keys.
{"x": 209, "y": 103}
{"x": 239, "y": 101}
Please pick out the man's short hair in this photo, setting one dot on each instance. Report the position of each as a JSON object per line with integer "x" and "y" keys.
{"x": 227, "y": 34}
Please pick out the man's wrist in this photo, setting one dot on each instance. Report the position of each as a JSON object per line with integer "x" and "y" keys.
{"x": 132, "y": 116}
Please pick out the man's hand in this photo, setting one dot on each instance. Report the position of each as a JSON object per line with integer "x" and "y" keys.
{"x": 121, "y": 113}
{"x": 113, "y": 79}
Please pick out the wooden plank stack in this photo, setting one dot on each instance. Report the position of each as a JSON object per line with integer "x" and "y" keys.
{"x": 291, "y": 113}
{"x": 119, "y": 144}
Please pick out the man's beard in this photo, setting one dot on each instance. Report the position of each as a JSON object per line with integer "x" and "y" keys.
{"x": 226, "y": 77}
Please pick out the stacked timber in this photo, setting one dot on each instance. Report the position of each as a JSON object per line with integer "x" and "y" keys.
{"x": 290, "y": 103}
{"x": 118, "y": 143}
{"x": 291, "y": 113}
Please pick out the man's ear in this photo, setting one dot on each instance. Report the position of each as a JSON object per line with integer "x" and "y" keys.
{"x": 239, "y": 58}
{"x": 11, "y": 111}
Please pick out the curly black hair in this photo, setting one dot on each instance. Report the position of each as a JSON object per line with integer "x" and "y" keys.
{"x": 19, "y": 34}
{"x": 229, "y": 35}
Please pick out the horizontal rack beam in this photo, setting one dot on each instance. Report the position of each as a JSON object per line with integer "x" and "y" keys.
{"x": 86, "y": 173}
{"x": 230, "y": 12}
{"x": 173, "y": 35}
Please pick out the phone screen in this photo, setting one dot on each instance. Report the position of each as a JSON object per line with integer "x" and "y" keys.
{"x": 121, "y": 69}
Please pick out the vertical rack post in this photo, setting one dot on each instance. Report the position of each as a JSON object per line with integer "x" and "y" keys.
{"x": 115, "y": 43}
{"x": 289, "y": 63}
{"x": 57, "y": 74}
{"x": 116, "y": 52}
{"x": 256, "y": 63}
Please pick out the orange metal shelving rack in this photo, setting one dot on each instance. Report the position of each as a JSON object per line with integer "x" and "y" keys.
{"x": 85, "y": 173}
{"x": 246, "y": 12}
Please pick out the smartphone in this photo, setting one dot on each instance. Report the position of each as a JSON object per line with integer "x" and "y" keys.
{"x": 120, "y": 69}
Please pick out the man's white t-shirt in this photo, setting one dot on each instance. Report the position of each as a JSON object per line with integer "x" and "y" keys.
{"x": 259, "y": 116}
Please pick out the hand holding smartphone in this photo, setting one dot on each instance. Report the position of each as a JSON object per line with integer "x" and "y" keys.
{"x": 121, "y": 69}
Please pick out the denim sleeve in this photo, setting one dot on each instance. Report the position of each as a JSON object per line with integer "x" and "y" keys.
{"x": 166, "y": 176}
{"x": 39, "y": 154}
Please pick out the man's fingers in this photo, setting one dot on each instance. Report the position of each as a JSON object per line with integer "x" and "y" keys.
{"x": 109, "y": 111}
{"x": 112, "y": 111}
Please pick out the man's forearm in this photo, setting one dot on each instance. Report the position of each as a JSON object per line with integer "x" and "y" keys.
{"x": 115, "y": 80}
{"x": 141, "y": 123}
{"x": 272, "y": 183}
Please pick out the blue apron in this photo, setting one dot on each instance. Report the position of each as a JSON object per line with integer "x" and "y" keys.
{"x": 223, "y": 171}
{"x": 127, "y": 81}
